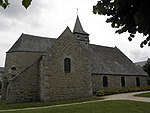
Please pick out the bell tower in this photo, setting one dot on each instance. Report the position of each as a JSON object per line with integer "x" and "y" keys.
{"x": 79, "y": 33}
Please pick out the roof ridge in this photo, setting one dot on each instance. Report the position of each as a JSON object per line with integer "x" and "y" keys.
{"x": 36, "y": 36}
{"x": 102, "y": 46}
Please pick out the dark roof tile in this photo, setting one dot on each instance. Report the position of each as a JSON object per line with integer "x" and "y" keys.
{"x": 31, "y": 43}
{"x": 103, "y": 60}
{"x": 114, "y": 62}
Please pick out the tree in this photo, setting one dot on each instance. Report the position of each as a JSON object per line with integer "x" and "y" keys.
{"x": 5, "y": 3}
{"x": 146, "y": 67}
{"x": 132, "y": 16}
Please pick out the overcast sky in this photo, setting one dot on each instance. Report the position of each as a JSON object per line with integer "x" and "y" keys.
{"x": 49, "y": 18}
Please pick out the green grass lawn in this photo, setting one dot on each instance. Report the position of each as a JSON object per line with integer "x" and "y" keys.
{"x": 144, "y": 95}
{"x": 117, "y": 106}
{"x": 4, "y": 106}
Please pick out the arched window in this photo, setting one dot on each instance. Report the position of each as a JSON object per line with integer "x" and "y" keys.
{"x": 123, "y": 81}
{"x": 67, "y": 65}
{"x": 13, "y": 71}
{"x": 13, "y": 68}
{"x": 137, "y": 81}
{"x": 105, "y": 81}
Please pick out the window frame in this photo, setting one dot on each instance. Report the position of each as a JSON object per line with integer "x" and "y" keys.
{"x": 67, "y": 65}
{"x": 138, "y": 84}
{"x": 105, "y": 81}
{"x": 123, "y": 82}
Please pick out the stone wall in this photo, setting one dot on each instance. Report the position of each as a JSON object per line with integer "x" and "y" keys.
{"x": 58, "y": 85}
{"x": 25, "y": 86}
{"x": 21, "y": 60}
{"x": 114, "y": 81}
{"x": 1, "y": 73}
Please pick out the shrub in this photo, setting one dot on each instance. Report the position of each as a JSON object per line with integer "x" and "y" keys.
{"x": 122, "y": 90}
{"x": 100, "y": 93}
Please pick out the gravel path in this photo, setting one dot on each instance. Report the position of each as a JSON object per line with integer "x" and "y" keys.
{"x": 128, "y": 96}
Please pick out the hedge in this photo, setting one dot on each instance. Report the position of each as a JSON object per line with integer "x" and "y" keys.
{"x": 122, "y": 90}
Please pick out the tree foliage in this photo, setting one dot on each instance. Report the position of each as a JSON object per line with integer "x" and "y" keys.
{"x": 146, "y": 67}
{"x": 5, "y": 3}
{"x": 130, "y": 16}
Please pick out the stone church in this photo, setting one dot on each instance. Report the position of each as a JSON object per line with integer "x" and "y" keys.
{"x": 49, "y": 69}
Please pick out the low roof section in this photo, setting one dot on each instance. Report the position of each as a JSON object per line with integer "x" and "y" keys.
{"x": 112, "y": 61}
{"x": 30, "y": 43}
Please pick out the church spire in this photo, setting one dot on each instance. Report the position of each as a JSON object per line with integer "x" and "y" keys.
{"x": 79, "y": 33}
{"x": 78, "y": 27}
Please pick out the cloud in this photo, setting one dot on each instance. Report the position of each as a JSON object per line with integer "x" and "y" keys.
{"x": 50, "y": 17}
{"x": 5, "y": 24}
{"x": 17, "y": 14}
{"x": 140, "y": 55}
{"x": 16, "y": 10}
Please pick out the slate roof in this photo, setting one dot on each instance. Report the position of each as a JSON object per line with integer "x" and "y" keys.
{"x": 78, "y": 27}
{"x": 31, "y": 43}
{"x": 110, "y": 60}
{"x": 104, "y": 60}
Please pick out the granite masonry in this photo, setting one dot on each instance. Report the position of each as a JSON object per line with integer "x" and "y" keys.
{"x": 49, "y": 69}
{"x": 1, "y": 73}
